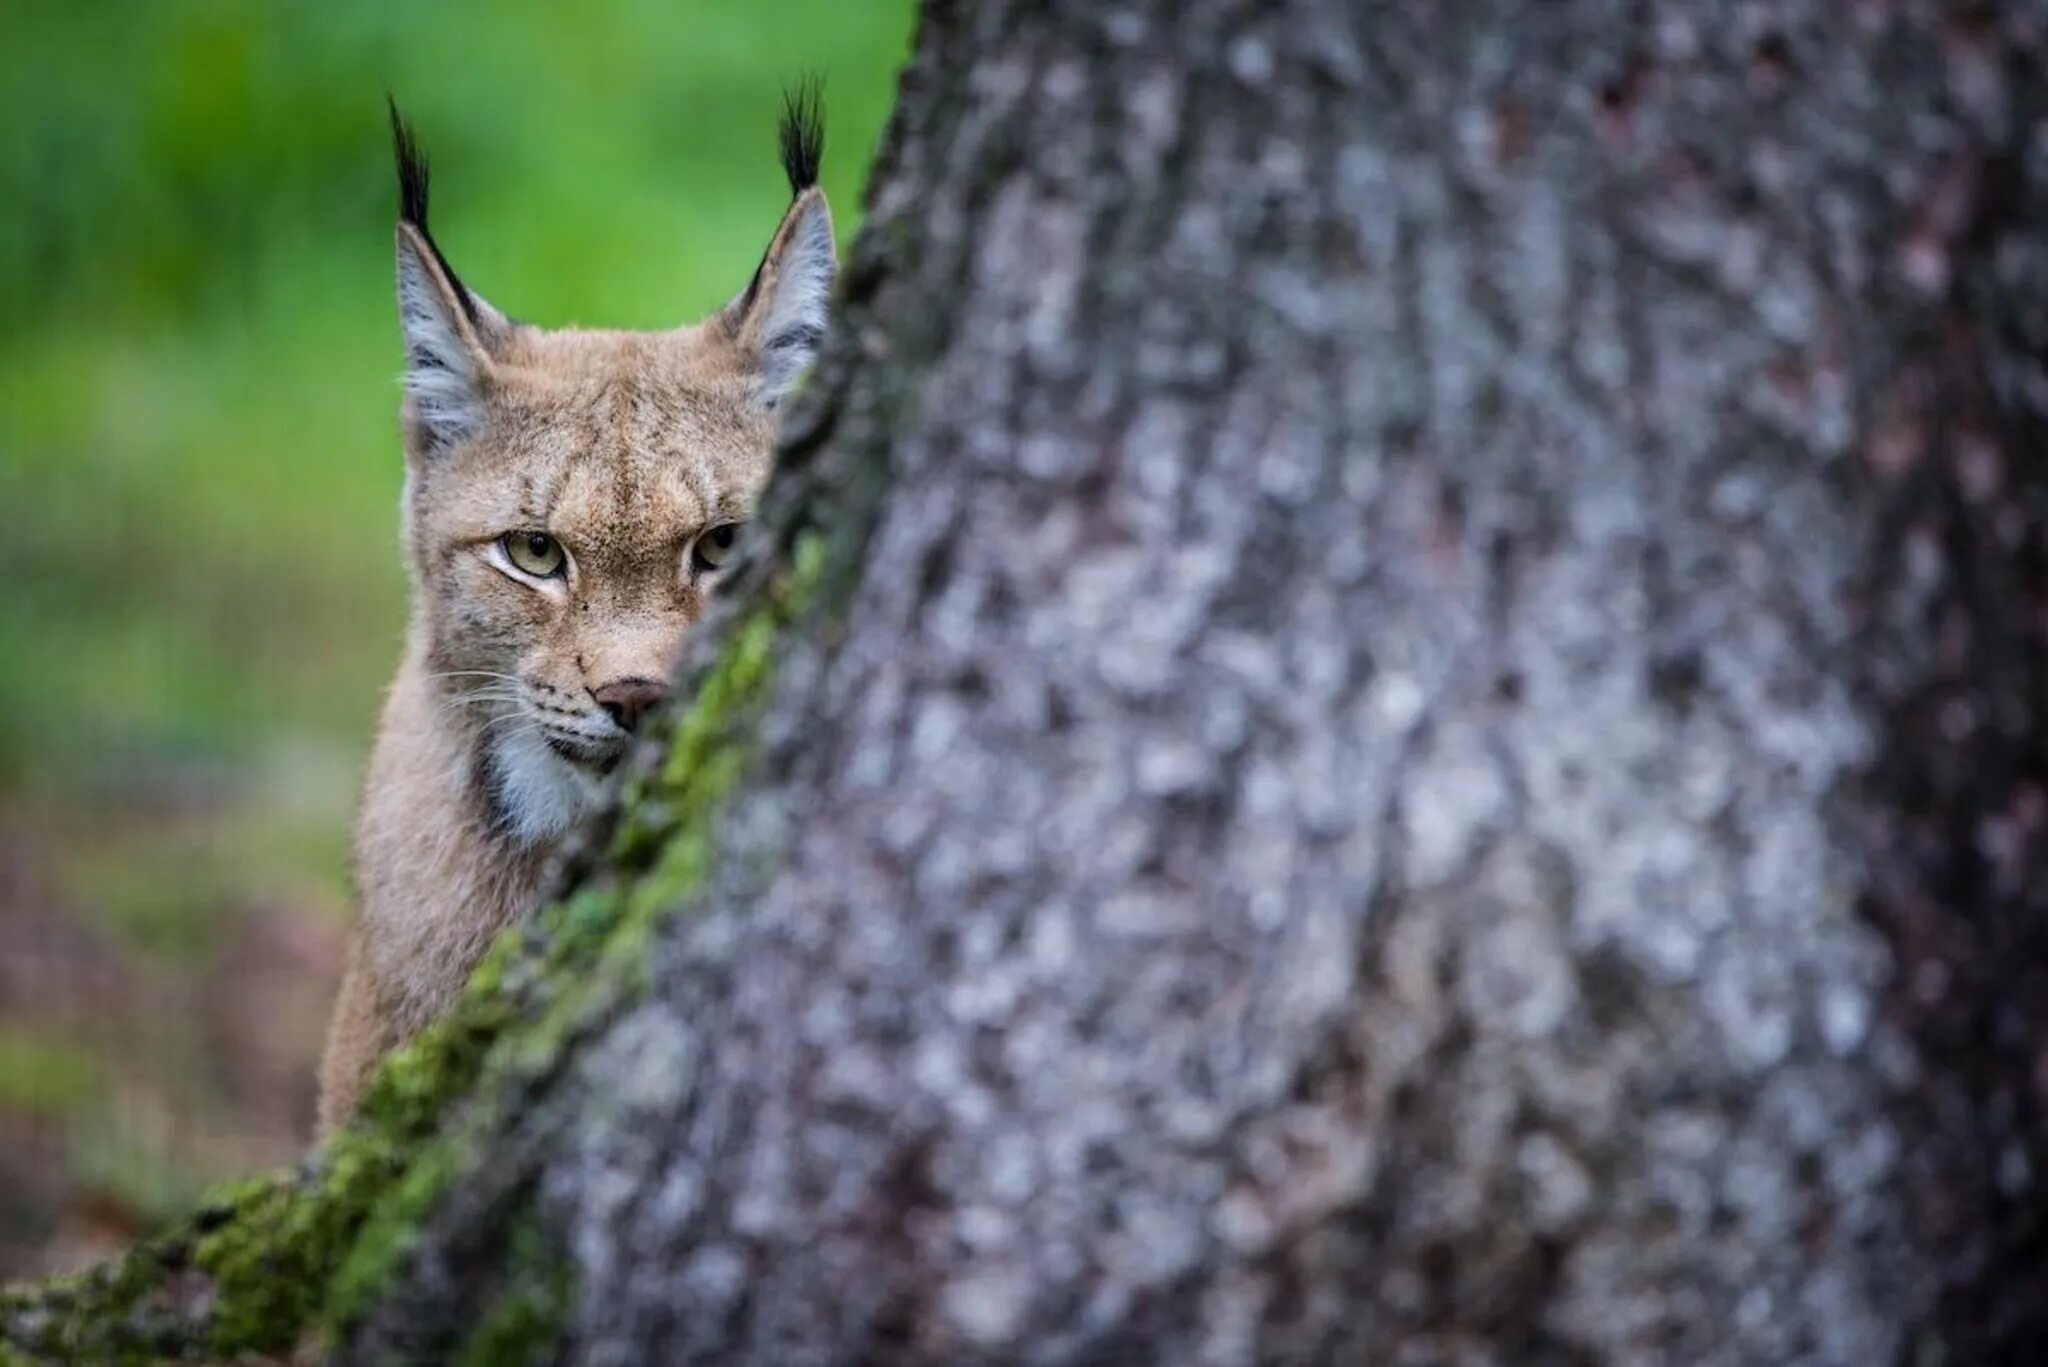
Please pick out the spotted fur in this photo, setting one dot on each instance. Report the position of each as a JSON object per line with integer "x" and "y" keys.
{"x": 630, "y": 450}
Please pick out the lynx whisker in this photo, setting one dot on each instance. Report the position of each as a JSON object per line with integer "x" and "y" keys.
{"x": 477, "y": 674}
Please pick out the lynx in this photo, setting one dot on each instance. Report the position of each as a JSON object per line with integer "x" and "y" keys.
{"x": 570, "y": 498}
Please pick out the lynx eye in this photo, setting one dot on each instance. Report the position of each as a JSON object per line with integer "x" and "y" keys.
{"x": 534, "y": 553}
{"x": 714, "y": 547}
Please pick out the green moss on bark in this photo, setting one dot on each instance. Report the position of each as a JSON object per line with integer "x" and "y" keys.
{"x": 268, "y": 1260}
{"x": 529, "y": 1317}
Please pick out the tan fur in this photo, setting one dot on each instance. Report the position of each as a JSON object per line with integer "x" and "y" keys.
{"x": 625, "y": 447}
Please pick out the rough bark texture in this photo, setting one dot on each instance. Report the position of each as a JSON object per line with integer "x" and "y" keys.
{"x": 1408, "y": 733}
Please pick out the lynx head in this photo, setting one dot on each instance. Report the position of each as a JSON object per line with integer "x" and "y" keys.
{"x": 571, "y": 495}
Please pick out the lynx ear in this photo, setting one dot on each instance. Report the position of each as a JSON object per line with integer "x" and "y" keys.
{"x": 779, "y": 322}
{"x": 448, "y": 329}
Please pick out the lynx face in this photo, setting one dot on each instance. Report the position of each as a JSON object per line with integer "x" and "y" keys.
{"x": 572, "y": 496}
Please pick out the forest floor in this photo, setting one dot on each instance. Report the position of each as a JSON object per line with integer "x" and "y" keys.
{"x": 148, "y": 1046}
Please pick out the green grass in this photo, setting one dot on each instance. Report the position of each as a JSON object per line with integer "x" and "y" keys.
{"x": 42, "y": 1076}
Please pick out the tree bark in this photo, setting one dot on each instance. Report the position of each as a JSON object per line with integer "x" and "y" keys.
{"x": 1393, "y": 717}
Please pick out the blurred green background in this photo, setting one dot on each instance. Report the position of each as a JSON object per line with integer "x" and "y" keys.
{"x": 200, "y": 465}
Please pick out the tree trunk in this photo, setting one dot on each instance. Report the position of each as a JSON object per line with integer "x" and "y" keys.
{"x": 1392, "y": 718}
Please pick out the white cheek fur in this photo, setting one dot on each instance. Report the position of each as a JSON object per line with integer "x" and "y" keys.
{"x": 542, "y": 795}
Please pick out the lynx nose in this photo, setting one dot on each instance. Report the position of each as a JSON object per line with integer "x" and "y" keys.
{"x": 628, "y": 700}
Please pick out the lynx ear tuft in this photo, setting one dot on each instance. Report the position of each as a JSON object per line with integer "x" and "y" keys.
{"x": 412, "y": 168}
{"x": 447, "y": 328}
{"x": 801, "y": 133}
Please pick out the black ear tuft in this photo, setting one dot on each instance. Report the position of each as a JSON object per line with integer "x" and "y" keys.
{"x": 412, "y": 200}
{"x": 802, "y": 132}
{"x": 412, "y": 169}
